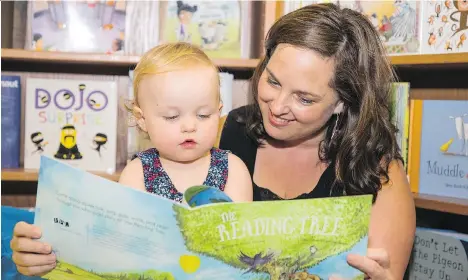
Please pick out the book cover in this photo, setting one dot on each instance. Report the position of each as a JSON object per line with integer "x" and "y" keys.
{"x": 10, "y": 216}
{"x": 439, "y": 147}
{"x": 11, "y": 121}
{"x": 397, "y": 22}
{"x": 215, "y": 26}
{"x": 439, "y": 254}
{"x": 78, "y": 26}
{"x": 444, "y": 26}
{"x": 73, "y": 121}
{"x": 100, "y": 229}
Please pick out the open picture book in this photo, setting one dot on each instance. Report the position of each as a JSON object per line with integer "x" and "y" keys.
{"x": 100, "y": 229}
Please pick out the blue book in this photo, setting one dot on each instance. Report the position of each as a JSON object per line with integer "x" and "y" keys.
{"x": 440, "y": 148}
{"x": 11, "y": 121}
{"x": 11, "y": 216}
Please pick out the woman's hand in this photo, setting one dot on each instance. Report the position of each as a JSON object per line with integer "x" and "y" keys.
{"x": 376, "y": 265}
{"x": 32, "y": 257}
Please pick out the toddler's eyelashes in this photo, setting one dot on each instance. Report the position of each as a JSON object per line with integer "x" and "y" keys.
{"x": 171, "y": 118}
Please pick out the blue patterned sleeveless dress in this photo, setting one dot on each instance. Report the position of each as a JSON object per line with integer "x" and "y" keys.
{"x": 158, "y": 182}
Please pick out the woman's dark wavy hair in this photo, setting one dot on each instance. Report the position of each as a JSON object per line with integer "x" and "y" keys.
{"x": 364, "y": 143}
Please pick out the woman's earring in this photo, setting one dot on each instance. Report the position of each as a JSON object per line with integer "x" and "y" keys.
{"x": 335, "y": 127}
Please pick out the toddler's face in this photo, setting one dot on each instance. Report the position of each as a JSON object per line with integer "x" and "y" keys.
{"x": 181, "y": 112}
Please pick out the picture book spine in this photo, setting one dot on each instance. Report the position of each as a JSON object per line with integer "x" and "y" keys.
{"x": 406, "y": 127}
{"x": 11, "y": 121}
{"x": 415, "y": 144}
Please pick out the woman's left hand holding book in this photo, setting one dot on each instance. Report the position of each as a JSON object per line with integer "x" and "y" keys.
{"x": 32, "y": 257}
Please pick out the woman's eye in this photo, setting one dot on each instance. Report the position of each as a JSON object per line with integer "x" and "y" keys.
{"x": 171, "y": 118}
{"x": 204, "y": 116}
{"x": 305, "y": 101}
{"x": 272, "y": 82}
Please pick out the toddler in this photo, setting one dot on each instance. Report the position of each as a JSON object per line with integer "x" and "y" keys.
{"x": 177, "y": 103}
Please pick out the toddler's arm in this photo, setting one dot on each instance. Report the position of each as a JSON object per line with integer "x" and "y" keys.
{"x": 132, "y": 175}
{"x": 239, "y": 184}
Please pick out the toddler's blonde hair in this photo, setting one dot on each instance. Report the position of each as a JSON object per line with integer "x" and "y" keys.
{"x": 169, "y": 57}
{"x": 158, "y": 60}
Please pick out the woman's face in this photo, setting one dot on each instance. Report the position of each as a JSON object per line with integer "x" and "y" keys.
{"x": 294, "y": 94}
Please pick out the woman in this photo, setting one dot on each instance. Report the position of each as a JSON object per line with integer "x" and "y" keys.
{"x": 320, "y": 120}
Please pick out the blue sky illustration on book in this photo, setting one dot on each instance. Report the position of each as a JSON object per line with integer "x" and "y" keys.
{"x": 90, "y": 245}
{"x": 446, "y": 147}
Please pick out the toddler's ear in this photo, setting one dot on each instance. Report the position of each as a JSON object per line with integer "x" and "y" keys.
{"x": 138, "y": 113}
{"x": 220, "y": 108}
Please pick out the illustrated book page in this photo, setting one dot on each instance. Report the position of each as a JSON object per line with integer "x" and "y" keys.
{"x": 100, "y": 229}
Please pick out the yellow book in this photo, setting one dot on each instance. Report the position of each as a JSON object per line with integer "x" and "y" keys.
{"x": 414, "y": 150}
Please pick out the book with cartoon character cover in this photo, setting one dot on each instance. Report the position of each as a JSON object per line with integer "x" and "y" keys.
{"x": 397, "y": 22}
{"x": 73, "y": 120}
{"x": 444, "y": 26}
{"x": 100, "y": 229}
{"x": 77, "y": 26}
{"x": 221, "y": 28}
{"x": 439, "y": 147}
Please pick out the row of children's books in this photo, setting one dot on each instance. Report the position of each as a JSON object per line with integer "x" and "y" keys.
{"x": 433, "y": 139}
{"x": 81, "y": 120}
{"x": 220, "y": 28}
{"x": 410, "y": 26}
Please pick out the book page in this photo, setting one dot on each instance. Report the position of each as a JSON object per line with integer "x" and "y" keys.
{"x": 97, "y": 225}
{"x": 102, "y": 230}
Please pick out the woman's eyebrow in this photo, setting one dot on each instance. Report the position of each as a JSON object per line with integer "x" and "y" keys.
{"x": 271, "y": 74}
{"x": 302, "y": 92}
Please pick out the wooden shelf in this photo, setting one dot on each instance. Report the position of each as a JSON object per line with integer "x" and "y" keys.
{"x": 430, "y": 59}
{"x": 442, "y": 204}
{"x": 32, "y": 175}
{"x": 20, "y": 55}
{"x": 124, "y": 60}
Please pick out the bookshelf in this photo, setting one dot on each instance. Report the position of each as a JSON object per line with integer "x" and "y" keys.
{"x": 442, "y": 204}
{"x": 430, "y": 59}
{"x": 431, "y": 75}
{"x": 21, "y": 56}
{"x": 27, "y": 175}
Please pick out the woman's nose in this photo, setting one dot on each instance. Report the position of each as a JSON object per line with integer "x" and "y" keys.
{"x": 280, "y": 105}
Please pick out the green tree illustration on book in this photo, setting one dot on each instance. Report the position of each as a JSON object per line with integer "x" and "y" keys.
{"x": 245, "y": 236}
